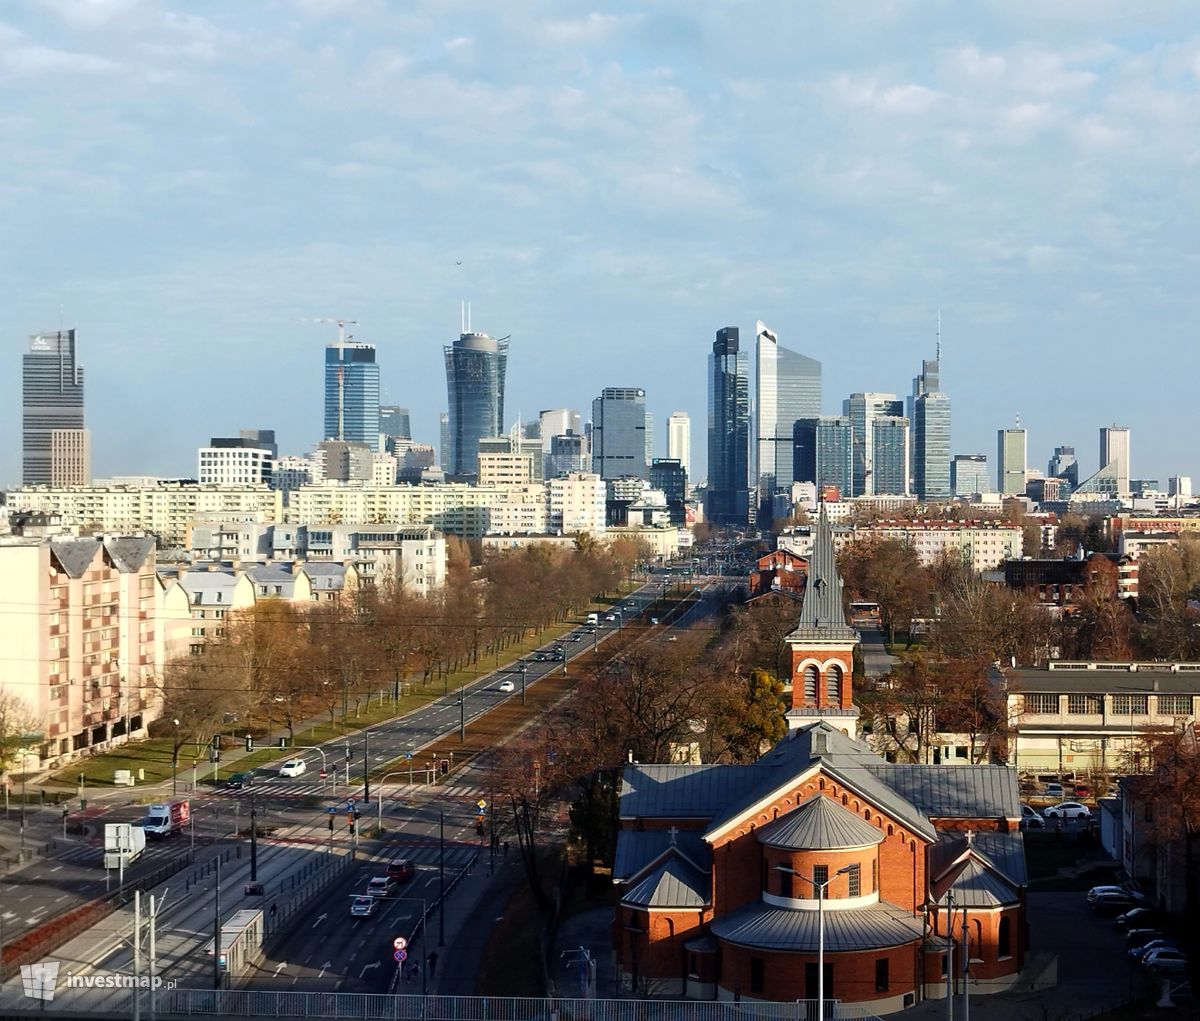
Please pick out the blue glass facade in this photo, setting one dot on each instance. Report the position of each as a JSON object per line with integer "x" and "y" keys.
{"x": 475, "y": 370}
{"x": 728, "y": 499}
{"x": 352, "y": 394}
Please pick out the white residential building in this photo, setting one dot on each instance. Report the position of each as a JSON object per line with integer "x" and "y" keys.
{"x": 981, "y": 545}
{"x": 577, "y": 503}
{"x": 679, "y": 440}
{"x": 229, "y": 465}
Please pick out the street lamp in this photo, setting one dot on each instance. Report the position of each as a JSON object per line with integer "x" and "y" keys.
{"x": 524, "y": 668}
{"x": 425, "y": 964}
{"x": 175, "y": 759}
{"x": 820, "y": 889}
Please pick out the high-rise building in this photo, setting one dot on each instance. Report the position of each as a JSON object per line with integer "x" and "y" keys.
{"x": 1064, "y": 466}
{"x": 863, "y": 409}
{"x": 444, "y": 439}
{"x": 1010, "y": 461}
{"x": 1180, "y": 485}
{"x": 262, "y": 439}
{"x": 787, "y": 387}
{"x": 679, "y": 439}
{"x": 52, "y": 400}
{"x": 669, "y": 475}
{"x": 475, "y": 370}
{"x": 568, "y": 454}
{"x": 619, "y": 432}
{"x": 929, "y": 415}
{"x": 394, "y": 424}
{"x": 70, "y": 457}
{"x": 1114, "y": 449}
{"x": 822, "y": 451}
{"x": 352, "y": 393}
{"x": 969, "y": 475}
{"x": 558, "y": 422}
{"x": 236, "y": 461}
{"x": 890, "y": 470}
{"x": 728, "y": 496}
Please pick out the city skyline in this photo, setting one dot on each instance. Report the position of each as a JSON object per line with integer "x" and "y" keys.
{"x": 231, "y": 174}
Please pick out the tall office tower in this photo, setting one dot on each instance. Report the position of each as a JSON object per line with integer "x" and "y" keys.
{"x": 1010, "y": 461}
{"x": 969, "y": 475}
{"x": 70, "y": 457}
{"x": 1064, "y": 466}
{"x": 1114, "y": 449}
{"x": 568, "y": 453}
{"x": 619, "y": 433}
{"x": 351, "y": 392}
{"x": 679, "y": 439}
{"x": 558, "y": 422}
{"x": 52, "y": 401}
{"x": 787, "y": 387}
{"x": 889, "y": 454}
{"x": 475, "y": 371}
{"x": 1180, "y": 485}
{"x": 394, "y": 423}
{"x": 728, "y": 496}
{"x": 669, "y": 475}
{"x": 863, "y": 409}
{"x": 444, "y": 439}
{"x": 822, "y": 451}
{"x": 929, "y": 415}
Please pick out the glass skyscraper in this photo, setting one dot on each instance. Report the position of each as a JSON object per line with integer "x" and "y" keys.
{"x": 475, "y": 369}
{"x": 929, "y": 417}
{"x": 395, "y": 422}
{"x": 352, "y": 394}
{"x": 864, "y": 410}
{"x": 822, "y": 449}
{"x": 619, "y": 432}
{"x": 51, "y": 403}
{"x": 787, "y": 388}
{"x": 728, "y": 497}
{"x": 889, "y": 455}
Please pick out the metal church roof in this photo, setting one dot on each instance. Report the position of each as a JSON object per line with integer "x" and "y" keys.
{"x": 821, "y": 615}
{"x": 819, "y": 824}
{"x": 674, "y": 884}
{"x": 765, "y": 927}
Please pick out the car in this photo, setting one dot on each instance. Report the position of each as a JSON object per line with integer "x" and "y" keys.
{"x": 1138, "y": 953}
{"x": 1067, "y": 810}
{"x": 237, "y": 781}
{"x": 507, "y": 686}
{"x": 293, "y": 767}
{"x": 539, "y": 657}
{"x": 1166, "y": 959}
{"x": 558, "y": 655}
{"x": 573, "y": 637}
{"x": 1140, "y": 937}
{"x": 672, "y": 638}
{"x": 610, "y": 616}
{"x": 1054, "y": 790}
{"x": 401, "y": 869}
{"x": 382, "y": 886}
{"x": 654, "y": 621}
{"x": 363, "y": 907}
{"x": 1124, "y": 890}
{"x": 1107, "y": 905}
{"x": 1031, "y": 818}
{"x": 1139, "y": 917}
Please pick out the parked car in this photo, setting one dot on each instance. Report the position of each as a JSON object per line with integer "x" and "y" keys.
{"x": 1135, "y": 918}
{"x": 363, "y": 907}
{"x": 1124, "y": 890}
{"x": 1031, "y": 819}
{"x": 401, "y": 869}
{"x": 1054, "y": 790}
{"x": 382, "y": 886}
{"x": 1166, "y": 959}
{"x": 237, "y": 781}
{"x": 1108, "y": 905}
{"x": 1140, "y": 937}
{"x": 293, "y": 767}
{"x": 1138, "y": 953}
{"x": 1067, "y": 810}
{"x": 507, "y": 685}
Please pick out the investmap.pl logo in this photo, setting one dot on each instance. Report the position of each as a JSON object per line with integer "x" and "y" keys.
{"x": 40, "y": 981}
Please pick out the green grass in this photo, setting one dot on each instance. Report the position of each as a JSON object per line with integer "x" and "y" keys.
{"x": 153, "y": 756}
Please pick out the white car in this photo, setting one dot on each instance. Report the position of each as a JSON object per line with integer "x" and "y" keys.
{"x": 382, "y": 886}
{"x": 507, "y": 686}
{"x": 1166, "y": 958}
{"x": 1067, "y": 810}
{"x": 363, "y": 907}
{"x": 293, "y": 767}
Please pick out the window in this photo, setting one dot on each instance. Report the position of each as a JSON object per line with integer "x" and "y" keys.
{"x": 1129, "y": 705}
{"x": 756, "y": 974}
{"x": 881, "y": 975}
{"x": 1004, "y": 939}
{"x": 875, "y": 873}
{"x": 833, "y": 685}
{"x": 810, "y": 684}
{"x": 1041, "y": 704}
{"x": 1173, "y": 705}
{"x": 785, "y": 884}
{"x": 854, "y": 879}
{"x": 1085, "y": 705}
{"x": 820, "y": 878}
{"x": 693, "y": 966}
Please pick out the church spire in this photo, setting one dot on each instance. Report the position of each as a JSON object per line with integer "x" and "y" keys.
{"x": 822, "y": 616}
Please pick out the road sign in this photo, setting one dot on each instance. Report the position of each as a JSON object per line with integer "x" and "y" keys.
{"x": 481, "y": 804}
{"x": 399, "y": 943}
{"x": 333, "y": 811}
{"x": 400, "y": 956}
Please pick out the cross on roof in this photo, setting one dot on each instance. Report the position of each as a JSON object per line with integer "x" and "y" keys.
{"x": 674, "y": 832}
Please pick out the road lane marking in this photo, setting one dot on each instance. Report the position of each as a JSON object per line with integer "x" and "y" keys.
{"x": 324, "y": 967}
{"x": 279, "y": 967}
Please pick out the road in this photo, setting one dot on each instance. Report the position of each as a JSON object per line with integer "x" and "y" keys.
{"x": 877, "y": 661}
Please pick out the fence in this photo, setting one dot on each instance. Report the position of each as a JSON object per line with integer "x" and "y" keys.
{"x": 419, "y": 929}
{"x": 320, "y": 867}
{"x": 189, "y": 1003}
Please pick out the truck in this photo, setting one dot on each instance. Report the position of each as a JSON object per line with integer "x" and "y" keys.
{"x": 168, "y": 817}
{"x": 123, "y": 843}
{"x": 593, "y": 618}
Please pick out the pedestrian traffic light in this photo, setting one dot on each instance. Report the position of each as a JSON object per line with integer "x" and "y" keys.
{"x": 331, "y": 824}
{"x": 216, "y": 742}
{"x": 249, "y": 743}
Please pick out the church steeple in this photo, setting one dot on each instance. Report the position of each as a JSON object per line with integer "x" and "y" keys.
{"x": 822, "y": 643}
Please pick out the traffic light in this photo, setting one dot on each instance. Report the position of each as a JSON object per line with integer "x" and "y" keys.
{"x": 331, "y": 824}
{"x": 216, "y": 742}
{"x": 479, "y": 825}
{"x": 249, "y": 743}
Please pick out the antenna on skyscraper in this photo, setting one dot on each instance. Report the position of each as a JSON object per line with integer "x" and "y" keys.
{"x": 939, "y": 338}
{"x": 468, "y": 317}
{"x": 1018, "y": 420}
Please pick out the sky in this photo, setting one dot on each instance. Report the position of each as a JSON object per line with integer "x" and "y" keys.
{"x": 190, "y": 184}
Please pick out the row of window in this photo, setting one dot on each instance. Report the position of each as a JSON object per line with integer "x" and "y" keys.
{"x": 811, "y": 987}
{"x": 1122, "y": 705}
{"x": 820, "y": 877}
{"x": 833, "y": 684}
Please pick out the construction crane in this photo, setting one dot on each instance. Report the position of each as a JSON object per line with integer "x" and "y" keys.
{"x": 343, "y": 337}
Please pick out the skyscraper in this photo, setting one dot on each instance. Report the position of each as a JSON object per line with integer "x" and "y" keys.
{"x": 668, "y": 474}
{"x": 679, "y": 439}
{"x": 619, "y": 432}
{"x": 728, "y": 497}
{"x": 822, "y": 451}
{"x": 394, "y": 423}
{"x": 475, "y": 369}
{"x": 1064, "y": 466}
{"x": 1114, "y": 449}
{"x": 1010, "y": 461}
{"x": 969, "y": 474}
{"x": 890, "y": 469}
{"x": 558, "y": 422}
{"x": 929, "y": 416}
{"x": 351, "y": 392}
{"x": 52, "y": 403}
{"x": 787, "y": 387}
{"x": 863, "y": 409}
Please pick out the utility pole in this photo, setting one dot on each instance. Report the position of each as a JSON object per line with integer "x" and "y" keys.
{"x": 137, "y": 955}
{"x": 153, "y": 951}
{"x": 441, "y": 879}
{"x": 462, "y": 715}
{"x": 366, "y": 768}
{"x": 253, "y": 839}
{"x": 949, "y": 955}
{"x": 966, "y": 967}
{"x": 217, "y": 926}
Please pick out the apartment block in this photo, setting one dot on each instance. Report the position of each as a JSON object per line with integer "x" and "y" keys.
{"x": 577, "y": 503}
{"x": 981, "y": 545}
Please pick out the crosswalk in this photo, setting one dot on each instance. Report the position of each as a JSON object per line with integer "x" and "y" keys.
{"x": 287, "y": 791}
{"x": 92, "y": 854}
{"x": 280, "y": 790}
{"x": 457, "y": 855}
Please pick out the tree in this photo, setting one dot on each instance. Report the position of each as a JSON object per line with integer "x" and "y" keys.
{"x": 17, "y": 721}
{"x": 887, "y": 572}
{"x": 1172, "y": 789}
{"x": 200, "y": 693}
{"x": 746, "y": 717}
{"x": 981, "y": 622}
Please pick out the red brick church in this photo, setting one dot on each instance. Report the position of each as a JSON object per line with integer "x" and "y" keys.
{"x": 719, "y": 866}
